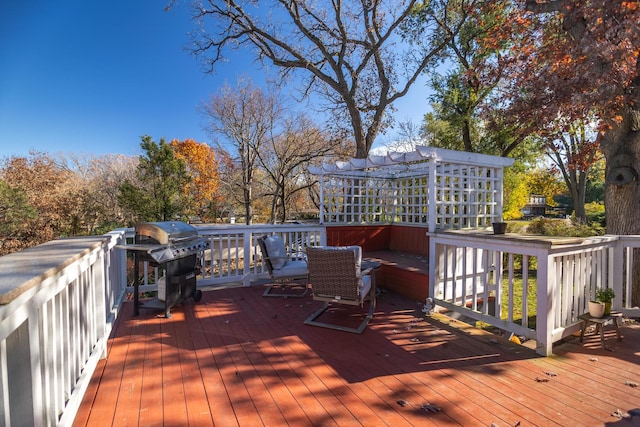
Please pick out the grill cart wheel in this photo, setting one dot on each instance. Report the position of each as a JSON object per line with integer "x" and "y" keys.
{"x": 197, "y": 295}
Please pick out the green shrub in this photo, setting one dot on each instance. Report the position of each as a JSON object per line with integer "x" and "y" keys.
{"x": 596, "y": 214}
{"x": 564, "y": 228}
{"x": 517, "y": 226}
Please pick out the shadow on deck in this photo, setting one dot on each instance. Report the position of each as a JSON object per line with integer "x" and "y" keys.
{"x": 237, "y": 358}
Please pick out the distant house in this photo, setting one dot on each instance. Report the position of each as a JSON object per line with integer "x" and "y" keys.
{"x": 537, "y": 206}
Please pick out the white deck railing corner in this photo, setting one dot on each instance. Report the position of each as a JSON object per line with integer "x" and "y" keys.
{"x": 569, "y": 270}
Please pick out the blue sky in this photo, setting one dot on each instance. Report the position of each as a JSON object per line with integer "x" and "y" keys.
{"x": 89, "y": 77}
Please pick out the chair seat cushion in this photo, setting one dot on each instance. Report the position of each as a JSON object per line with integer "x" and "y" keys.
{"x": 276, "y": 251}
{"x": 292, "y": 268}
{"x": 365, "y": 286}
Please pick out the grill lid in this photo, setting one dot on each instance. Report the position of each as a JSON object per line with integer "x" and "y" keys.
{"x": 164, "y": 232}
{"x": 164, "y": 241}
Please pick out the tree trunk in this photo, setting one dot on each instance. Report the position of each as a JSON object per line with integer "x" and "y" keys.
{"x": 466, "y": 135}
{"x": 247, "y": 206}
{"x": 621, "y": 148}
{"x": 578, "y": 206}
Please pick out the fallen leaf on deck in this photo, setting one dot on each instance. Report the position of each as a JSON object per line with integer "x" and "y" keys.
{"x": 593, "y": 359}
{"x": 551, "y": 374}
{"x": 430, "y": 408}
{"x": 631, "y": 384}
{"x": 542, "y": 380}
{"x": 402, "y": 402}
{"x": 619, "y": 414}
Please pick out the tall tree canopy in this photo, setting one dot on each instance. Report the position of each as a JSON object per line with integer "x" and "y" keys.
{"x": 202, "y": 167}
{"x": 245, "y": 117}
{"x": 41, "y": 181}
{"x": 157, "y": 195}
{"x": 577, "y": 59}
{"x": 351, "y": 52}
{"x": 14, "y": 213}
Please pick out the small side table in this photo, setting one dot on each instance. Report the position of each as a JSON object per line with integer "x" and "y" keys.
{"x": 600, "y": 323}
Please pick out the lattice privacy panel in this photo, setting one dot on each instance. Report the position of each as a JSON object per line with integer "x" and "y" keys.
{"x": 443, "y": 189}
{"x": 465, "y": 197}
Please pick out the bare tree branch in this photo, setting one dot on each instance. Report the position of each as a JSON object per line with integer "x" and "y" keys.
{"x": 537, "y": 6}
{"x": 352, "y": 52}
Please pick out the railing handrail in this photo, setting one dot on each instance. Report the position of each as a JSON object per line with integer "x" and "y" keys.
{"x": 568, "y": 268}
{"x": 87, "y": 276}
{"x": 43, "y": 373}
{"x": 233, "y": 255}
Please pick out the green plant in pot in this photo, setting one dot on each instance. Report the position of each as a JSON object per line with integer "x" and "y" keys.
{"x": 605, "y": 295}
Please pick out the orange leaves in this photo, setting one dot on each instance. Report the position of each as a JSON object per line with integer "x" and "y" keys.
{"x": 630, "y": 6}
{"x": 202, "y": 166}
{"x": 582, "y": 59}
{"x": 562, "y": 64}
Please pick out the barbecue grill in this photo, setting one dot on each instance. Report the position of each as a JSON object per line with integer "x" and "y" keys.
{"x": 174, "y": 247}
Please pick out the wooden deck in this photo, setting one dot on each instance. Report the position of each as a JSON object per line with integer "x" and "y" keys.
{"x": 237, "y": 358}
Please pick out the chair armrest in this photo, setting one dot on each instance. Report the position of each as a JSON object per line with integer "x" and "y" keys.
{"x": 300, "y": 256}
{"x": 366, "y": 271}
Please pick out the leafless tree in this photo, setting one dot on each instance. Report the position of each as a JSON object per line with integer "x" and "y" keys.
{"x": 407, "y": 137}
{"x": 107, "y": 173}
{"x": 286, "y": 157}
{"x": 92, "y": 191}
{"x": 246, "y": 117}
{"x": 360, "y": 55}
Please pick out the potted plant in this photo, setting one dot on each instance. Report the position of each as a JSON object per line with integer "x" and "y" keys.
{"x": 606, "y": 296}
{"x": 596, "y": 309}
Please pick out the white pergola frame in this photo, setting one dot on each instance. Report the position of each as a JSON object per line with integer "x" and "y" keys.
{"x": 443, "y": 189}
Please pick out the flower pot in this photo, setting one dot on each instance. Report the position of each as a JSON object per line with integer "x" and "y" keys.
{"x": 499, "y": 227}
{"x": 607, "y": 308}
{"x": 596, "y": 309}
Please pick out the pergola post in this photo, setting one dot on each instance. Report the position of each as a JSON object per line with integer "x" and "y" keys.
{"x": 432, "y": 207}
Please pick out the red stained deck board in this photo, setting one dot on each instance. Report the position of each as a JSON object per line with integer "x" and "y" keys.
{"x": 237, "y": 358}
{"x": 151, "y": 402}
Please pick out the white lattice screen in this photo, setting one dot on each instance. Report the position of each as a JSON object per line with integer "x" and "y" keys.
{"x": 467, "y": 196}
{"x": 443, "y": 189}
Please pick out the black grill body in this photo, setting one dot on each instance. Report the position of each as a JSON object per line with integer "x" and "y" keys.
{"x": 174, "y": 247}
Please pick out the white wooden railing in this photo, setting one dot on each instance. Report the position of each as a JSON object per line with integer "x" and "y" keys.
{"x": 479, "y": 275}
{"x": 226, "y": 260}
{"x": 59, "y": 300}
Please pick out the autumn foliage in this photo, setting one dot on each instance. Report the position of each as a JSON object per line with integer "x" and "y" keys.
{"x": 575, "y": 63}
{"x": 202, "y": 166}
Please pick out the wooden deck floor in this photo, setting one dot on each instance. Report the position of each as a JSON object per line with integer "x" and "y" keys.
{"x": 237, "y": 358}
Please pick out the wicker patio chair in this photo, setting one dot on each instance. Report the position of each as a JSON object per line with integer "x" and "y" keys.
{"x": 283, "y": 268}
{"x": 335, "y": 277}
